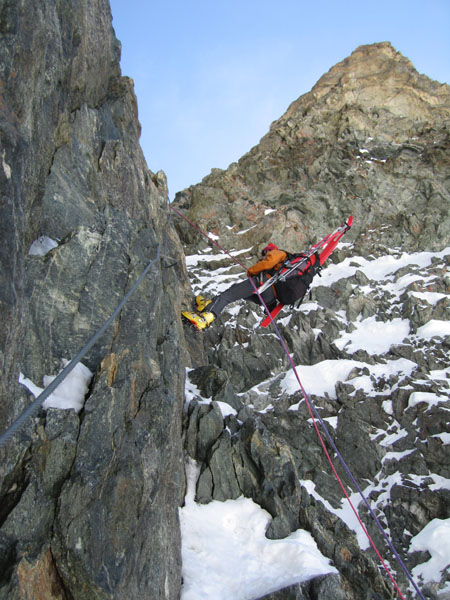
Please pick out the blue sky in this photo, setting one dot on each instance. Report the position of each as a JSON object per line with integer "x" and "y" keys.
{"x": 211, "y": 76}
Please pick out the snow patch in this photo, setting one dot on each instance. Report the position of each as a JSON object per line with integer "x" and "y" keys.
{"x": 429, "y": 297}
{"x": 70, "y": 393}
{"x": 226, "y": 555}
{"x": 42, "y": 246}
{"x": 428, "y": 397}
{"x": 434, "y": 538}
{"x": 379, "y": 268}
{"x": 321, "y": 379}
{"x": 6, "y": 168}
{"x": 434, "y": 328}
{"x": 375, "y": 337}
{"x": 246, "y": 230}
{"x": 344, "y": 512}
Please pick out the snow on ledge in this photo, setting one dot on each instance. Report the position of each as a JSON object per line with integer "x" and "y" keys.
{"x": 69, "y": 394}
{"x": 42, "y": 246}
{"x": 434, "y": 538}
{"x": 226, "y": 554}
{"x": 434, "y": 328}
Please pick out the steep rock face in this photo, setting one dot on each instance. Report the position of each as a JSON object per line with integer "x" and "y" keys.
{"x": 89, "y": 501}
{"x": 371, "y": 138}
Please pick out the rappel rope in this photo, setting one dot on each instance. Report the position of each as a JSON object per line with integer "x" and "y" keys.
{"x": 313, "y": 411}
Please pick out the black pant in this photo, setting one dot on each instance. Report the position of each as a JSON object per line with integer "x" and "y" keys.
{"x": 241, "y": 291}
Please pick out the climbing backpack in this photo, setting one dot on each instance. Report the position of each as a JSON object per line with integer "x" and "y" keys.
{"x": 293, "y": 283}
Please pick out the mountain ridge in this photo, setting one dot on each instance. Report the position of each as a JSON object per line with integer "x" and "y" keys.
{"x": 331, "y": 155}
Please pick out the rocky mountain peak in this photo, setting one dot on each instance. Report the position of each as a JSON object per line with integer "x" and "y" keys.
{"x": 371, "y": 138}
{"x": 375, "y": 78}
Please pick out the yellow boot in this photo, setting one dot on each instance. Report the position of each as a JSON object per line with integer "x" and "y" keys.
{"x": 202, "y": 303}
{"x": 201, "y": 321}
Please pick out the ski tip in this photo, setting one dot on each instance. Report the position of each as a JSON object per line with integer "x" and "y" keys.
{"x": 350, "y": 221}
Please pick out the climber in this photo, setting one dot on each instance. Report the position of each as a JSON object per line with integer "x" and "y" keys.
{"x": 270, "y": 262}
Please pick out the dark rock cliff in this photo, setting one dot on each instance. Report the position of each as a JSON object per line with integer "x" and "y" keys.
{"x": 88, "y": 502}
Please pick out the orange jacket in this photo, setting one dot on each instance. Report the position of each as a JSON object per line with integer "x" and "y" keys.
{"x": 272, "y": 260}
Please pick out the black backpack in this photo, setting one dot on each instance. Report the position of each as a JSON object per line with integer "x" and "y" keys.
{"x": 294, "y": 287}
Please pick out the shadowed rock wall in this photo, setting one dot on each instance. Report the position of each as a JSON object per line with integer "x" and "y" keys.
{"x": 88, "y": 502}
